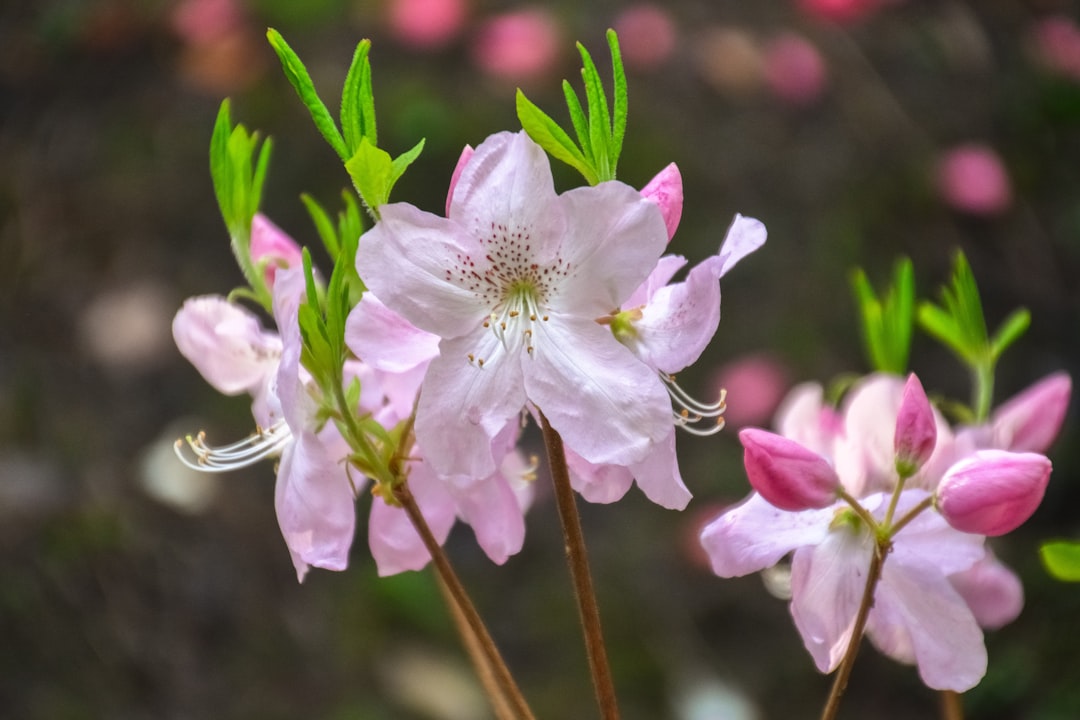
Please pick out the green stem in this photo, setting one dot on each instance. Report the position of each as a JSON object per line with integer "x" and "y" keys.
{"x": 577, "y": 559}
{"x": 984, "y": 390}
{"x": 510, "y": 691}
{"x": 926, "y": 503}
{"x": 832, "y": 705}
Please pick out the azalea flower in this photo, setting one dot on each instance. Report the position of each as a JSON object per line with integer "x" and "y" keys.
{"x": 512, "y": 281}
{"x": 938, "y": 583}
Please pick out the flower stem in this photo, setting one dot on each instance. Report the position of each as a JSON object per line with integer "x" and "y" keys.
{"x": 952, "y": 705}
{"x": 460, "y": 598}
{"x": 832, "y": 705}
{"x": 577, "y": 559}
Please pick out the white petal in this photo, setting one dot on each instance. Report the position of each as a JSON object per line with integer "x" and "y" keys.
{"x": 598, "y": 483}
{"x": 658, "y": 475}
{"x": 385, "y": 340}
{"x": 395, "y": 543}
{"x": 743, "y": 237}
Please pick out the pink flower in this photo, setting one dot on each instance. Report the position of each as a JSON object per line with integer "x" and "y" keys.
{"x": 271, "y": 248}
{"x": 1056, "y": 44}
{"x": 916, "y": 429}
{"x": 785, "y": 473}
{"x": 1030, "y": 421}
{"x": 647, "y": 35}
{"x": 666, "y": 190}
{"x": 841, "y": 11}
{"x": 972, "y": 179}
{"x": 203, "y": 22}
{"x": 512, "y": 281}
{"x": 756, "y": 384}
{"x": 994, "y": 491}
{"x": 917, "y": 616}
{"x": 517, "y": 45}
{"x": 426, "y": 24}
{"x": 991, "y": 590}
{"x": 794, "y": 69}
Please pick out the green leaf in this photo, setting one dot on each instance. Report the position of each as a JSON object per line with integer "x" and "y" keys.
{"x": 1010, "y": 330}
{"x": 546, "y": 133}
{"x": 323, "y": 225}
{"x": 1062, "y": 559}
{"x": 357, "y": 101}
{"x": 301, "y": 81}
{"x": 401, "y": 164}
{"x": 599, "y": 115}
{"x": 577, "y": 118}
{"x": 887, "y": 325}
{"x": 371, "y": 170}
{"x": 618, "y": 131}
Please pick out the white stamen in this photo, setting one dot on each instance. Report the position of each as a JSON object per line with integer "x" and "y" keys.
{"x": 689, "y": 411}
{"x": 259, "y": 445}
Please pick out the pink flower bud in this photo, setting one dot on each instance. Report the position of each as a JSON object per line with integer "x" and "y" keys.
{"x": 1030, "y": 421}
{"x": 272, "y": 247}
{"x": 787, "y": 474}
{"x": 993, "y": 491}
{"x": 973, "y": 179}
{"x": 916, "y": 429}
{"x": 666, "y": 191}
{"x": 461, "y": 163}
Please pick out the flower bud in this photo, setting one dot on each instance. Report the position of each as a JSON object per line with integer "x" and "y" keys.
{"x": 993, "y": 491}
{"x": 463, "y": 160}
{"x": 1030, "y": 421}
{"x": 916, "y": 429}
{"x": 272, "y": 248}
{"x": 666, "y": 191}
{"x": 787, "y": 474}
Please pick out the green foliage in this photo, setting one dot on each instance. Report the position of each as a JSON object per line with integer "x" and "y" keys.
{"x": 238, "y": 165}
{"x": 1062, "y": 559}
{"x": 959, "y": 324}
{"x": 342, "y": 239}
{"x": 887, "y": 322}
{"x": 599, "y": 129}
{"x": 371, "y": 169}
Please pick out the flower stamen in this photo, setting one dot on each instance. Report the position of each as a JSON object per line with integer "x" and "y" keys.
{"x": 690, "y": 411}
{"x": 255, "y": 447}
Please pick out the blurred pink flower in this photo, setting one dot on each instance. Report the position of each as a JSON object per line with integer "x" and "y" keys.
{"x": 517, "y": 45}
{"x": 200, "y": 22}
{"x": 755, "y": 384}
{"x": 647, "y": 35}
{"x": 795, "y": 72}
{"x": 972, "y": 178}
{"x": 1055, "y": 43}
{"x": 426, "y": 24}
{"x": 841, "y": 11}
{"x": 272, "y": 248}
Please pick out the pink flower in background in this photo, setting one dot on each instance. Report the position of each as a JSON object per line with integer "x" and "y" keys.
{"x": 755, "y": 384}
{"x": 201, "y": 22}
{"x": 426, "y": 24}
{"x": 272, "y": 248}
{"x": 972, "y": 178}
{"x": 517, "y": 45}
{"x": 647, "y": 35}
{"x": 1055, "y": 42}
{"x": 795, "y": 72}
{"x": 841, "y": 11}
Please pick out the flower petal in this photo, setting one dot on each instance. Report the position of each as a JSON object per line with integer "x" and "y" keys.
{"x": 598, "y": 483}
{"x": 744, "y": 236}
{"x": 491, "y": 508}
{"x": 944, "y": 638}
{"x": 659, "y": 478}
{"x": 1030, "y": 421}
{"x": 463, "y": 405}
{"x": 395, "y": 543}
{"x": 607, "y": 405}
{"x": 661, "y": 275}
{"x": 992, "y": 591}
{"x": 314, "y": 503}
{"x": 385, "y": 340}
{"x": 827, "y": 585}
{"x": 755, "y": 535}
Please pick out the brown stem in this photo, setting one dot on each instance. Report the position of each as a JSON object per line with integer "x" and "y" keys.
{"x": 499, "y": 704}
{"x": 952, "y": 705}
{"x": 578, "y": 561}
{"x": 460, "y": 599}
{"x": 832, "y": 705}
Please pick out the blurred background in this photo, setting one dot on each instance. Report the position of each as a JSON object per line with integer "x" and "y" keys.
{"x": 857, "y": 130}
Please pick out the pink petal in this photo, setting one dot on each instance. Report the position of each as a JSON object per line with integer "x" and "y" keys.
{"x": 314, "y": 503}
{"x": 464, "y": 405}
{"x": 608, "y": 221}
{"x": 916, "y": 429}
{"x": 659, "y": 478}
{"x": 804, "y": 418}
{"x": 785, "y": 473}
{"x": 994, "y": 491}
{"x": 607, "y": 405}
{"x": 744, "y": 236}
{"x": 755, "y": 535}
{"x": 385, "y": 340}
{"x": 661, "y": 275}
{"x": 666, "y": 190}
{"x": 395, "y": 543}
{"x": 466, "y": 155}
{"x": 226, "y": 344}
{"x": 598, "y": 483}
{"x": 491, "y": 508}
{"x": 1030, "y": 421}
{"x": 272, "y": 246}
{"x": 827, "y": 584}
{"x": 992, "y": 591}
{"x": 944, "y": 638}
